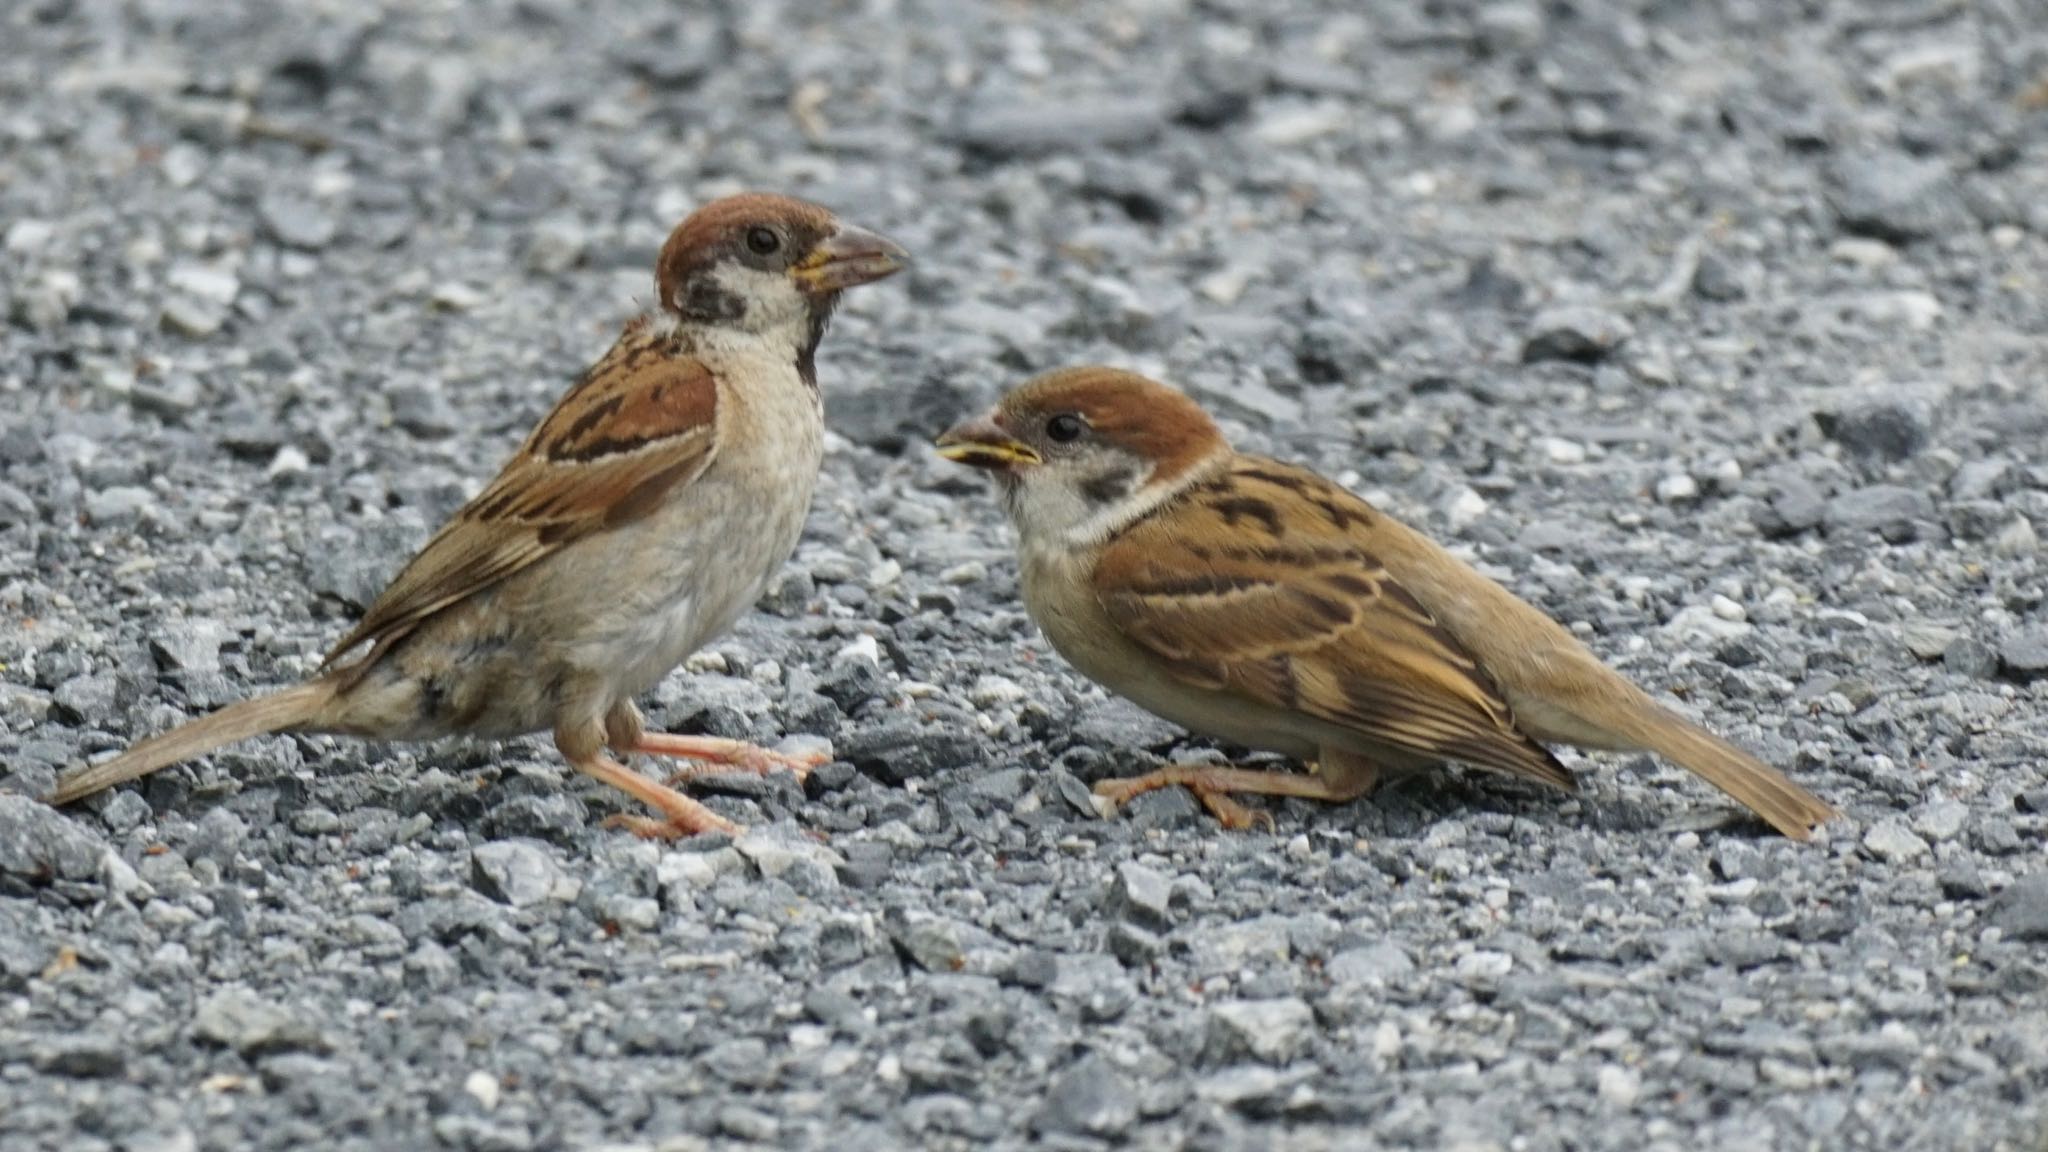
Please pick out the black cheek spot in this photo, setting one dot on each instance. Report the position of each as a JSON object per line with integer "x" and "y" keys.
{"x": 1109, "y": 486}
{"x": 704, "y": 300}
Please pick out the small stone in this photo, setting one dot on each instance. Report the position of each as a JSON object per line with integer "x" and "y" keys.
{"x": 237, "y": 1018}
{"x": 1618, "y": 1086}
{"x": 993, "y": 691}
{"x": 219, "y": 836}
{"x": 1925, "y": 640}
{"x": 454, "y": 296}
{"x": 2017, "y": 539}
{"x": 854, "y": 678}
{"x": 188, "y": 646}
{"x": 1893, "y": 1046}
{"x": 204, "y": 282}
{"x": 520, "y": 873}
{"x": 1891, "y": 840}
{"x": 1911, "y": 310}
{"x": 555, "y": 246}
{"x": 2021, "y": 911}
{"x": 424, "y": 412}
{"x": 1962, "y": 881}
{"x": 1794, "y": 505}
{"x": 39, "y": 843}
{"x": 1089, "y": 1098}
{"x": 124, "y": 810}
{"x": 1013, "y": 129}
{"x": 1269, "y": 1031}
{"x": 972, "y": 572}
{"x": 25, "y": 237}
{"x": 1577, "y": 333}
{"x": 1941, "y": 820}
{"x": 896, "y": 751}
{"x": 1142, "y": 896}
{"x": 1561, "y": 451}
{"x": 1969, "y": 656}
{"x": 1716, "y": 278}
{"x": 1118, "y": 723}
{"x": 1295, "y": 126}
{"x": 1880, "y": 428}
{"x": 930, "y": 942}
{"x": 807, "y": 866}
{"x": 83, "y": 1056}
{"x": 483, "y": 1088}
{"x": 86, "y": 699}
{"x": 1133, "y": 945}
{"x": 1887, "y": 509}
{"x": 295, "y": 221}
{"x": 1465, "y": 508}
{"x": 1677, "y": 488}
{"x": 16, "y": 507}
{"x": 2024, "y": 654}
{"x": 1727, "y": 609}
{"x": 172, "y": 394}
{"x": 1372, "y": 965}
{"x": 1483, "y": 966}
{"x": 121, "y": 506}
{"x": 1981, "y": 480}
{"x": 1896, "y": 197}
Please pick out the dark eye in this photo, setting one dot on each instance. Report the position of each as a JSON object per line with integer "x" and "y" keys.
{"x": 1065, "y": 428}
{"x": 763, "y": 241}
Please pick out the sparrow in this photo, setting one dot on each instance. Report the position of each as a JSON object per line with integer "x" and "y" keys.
{"x": 1259, "y": 603}
{"x": 644, "y": 514}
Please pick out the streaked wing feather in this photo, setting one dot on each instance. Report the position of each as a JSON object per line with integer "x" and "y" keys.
{"x": 1305, "y": 618}
{"x": 639, "y": 424}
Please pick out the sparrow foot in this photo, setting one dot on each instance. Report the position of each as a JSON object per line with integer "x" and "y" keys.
{"x": 681, "y": 816}
{"x": 714, "y": 755}
{"x": 1211, "y": 785}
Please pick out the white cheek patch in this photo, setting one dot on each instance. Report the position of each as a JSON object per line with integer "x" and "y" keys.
{"x": 769, "y": 299}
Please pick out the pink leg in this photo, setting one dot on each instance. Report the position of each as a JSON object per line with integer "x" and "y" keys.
{"x": 715, "y": 755}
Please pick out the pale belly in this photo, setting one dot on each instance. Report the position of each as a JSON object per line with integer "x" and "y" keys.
{"x": 605, "y": 619}
{"x": 1089, "y": 640}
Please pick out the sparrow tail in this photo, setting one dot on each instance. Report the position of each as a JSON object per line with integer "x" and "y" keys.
{"x": 289, "y": 708}
{"x": 1764, "y": 790}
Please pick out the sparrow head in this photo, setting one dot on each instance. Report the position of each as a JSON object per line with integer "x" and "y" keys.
{"x": 1082, "y": 451}
{"x": 765, "y": 263}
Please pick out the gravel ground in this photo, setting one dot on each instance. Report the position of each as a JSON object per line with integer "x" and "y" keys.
{"x": 1716, "y": 330}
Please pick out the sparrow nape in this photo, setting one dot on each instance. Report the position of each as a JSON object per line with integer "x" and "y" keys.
{"x": 645, "y": 513}
{"x": 1261, "y": 604}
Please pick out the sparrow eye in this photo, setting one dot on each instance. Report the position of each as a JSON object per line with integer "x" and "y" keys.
{"x": 1065, "y": 428}
{"x": 763, "y": 241}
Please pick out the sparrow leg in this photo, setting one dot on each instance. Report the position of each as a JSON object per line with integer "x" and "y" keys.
{"x": 1341, "y": 776}
{"x": 714, "y": 755}
{"x": 583, "y": 747}
{"x": 683, "y": 816}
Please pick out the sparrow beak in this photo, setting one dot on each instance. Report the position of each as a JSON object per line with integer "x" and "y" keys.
{"x": 847, "y": 257}
{"x": 982, "y": 443}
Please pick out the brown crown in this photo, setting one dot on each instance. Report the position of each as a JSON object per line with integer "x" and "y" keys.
{"x": 1126, "y": 409}
{"x": 718, "y": 228}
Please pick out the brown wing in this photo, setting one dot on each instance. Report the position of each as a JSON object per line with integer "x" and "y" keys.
{"x": 642, "y": 421}
{"x": 1294, "y": 611}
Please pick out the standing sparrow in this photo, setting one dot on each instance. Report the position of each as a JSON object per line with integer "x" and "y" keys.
{"x": 644, "y": 514}
{"x": 1261, "y": 604}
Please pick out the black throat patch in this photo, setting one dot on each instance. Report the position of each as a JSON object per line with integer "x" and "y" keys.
{"x": 807, "y": 356}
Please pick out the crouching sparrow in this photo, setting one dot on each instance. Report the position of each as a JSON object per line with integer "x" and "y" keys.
{"x": 1261, "y": 604}
{"x": 639, "y": 520}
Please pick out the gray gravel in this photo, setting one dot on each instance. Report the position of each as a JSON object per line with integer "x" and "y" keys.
{"x": 1717, "y": 330}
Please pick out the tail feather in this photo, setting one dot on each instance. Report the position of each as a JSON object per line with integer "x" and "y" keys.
{"x": 289, "y": 708}
{"x": 1764, "y": 790}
